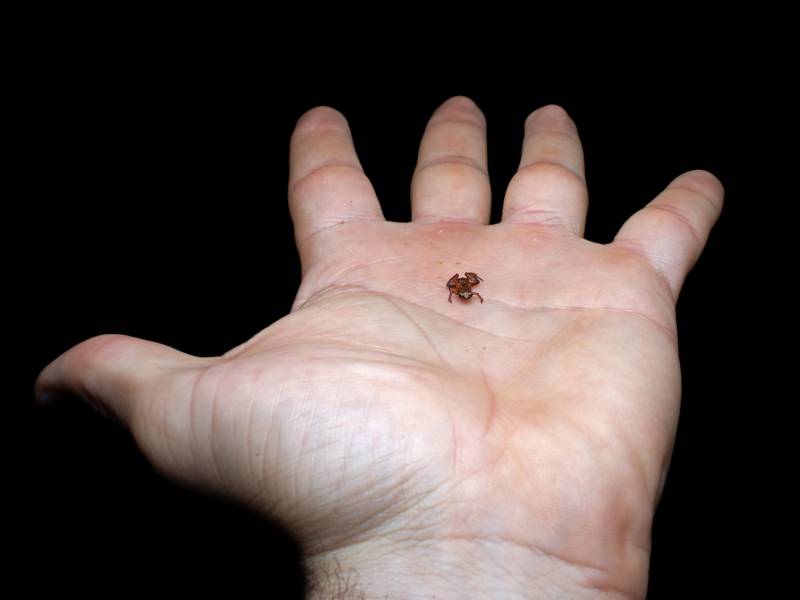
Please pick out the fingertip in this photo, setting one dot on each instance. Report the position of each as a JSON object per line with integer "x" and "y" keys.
{"x": 462, "y": 101}
{"x": 320, "y": 117}
{"x": 551, "y": 113}
{"x": 460, "y": 107}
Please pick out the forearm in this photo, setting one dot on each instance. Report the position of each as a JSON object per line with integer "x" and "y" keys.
{"x": 463, "y": 569}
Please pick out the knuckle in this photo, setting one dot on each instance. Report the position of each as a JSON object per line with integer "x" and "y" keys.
{"x": 686, "y": 200}
{"x": 452, "y": 166}
{"x": 327, "y": 176}
{"x": 549, "y": 173}
{"x": 540, "y": 217}
{"x": 703, "y": 183}
{"x": 551, "y": 142}
{"x": 678, "y": 219}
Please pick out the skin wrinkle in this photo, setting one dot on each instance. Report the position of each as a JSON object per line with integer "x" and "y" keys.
{"x": 454, "y": 434}
{"x": 667, "y": 330}
{"x": 358, "y": 262}
{"x": 301, "y": 402}
{"x": 600, "y": 440}
{"x": 420, "y": 329}
{"x": 638, "y": 467}
{"x": 364, "y": 265}
{"x": 682, "y": 218}
{"x": 635, "y": 247}
{"x": 342, "y": 246}
{"x": 434, "y": 219}
{"x": 192, "y": 402}
{"x": 524, "y": 368}
{"x": 369, "y": 524}
{"x": 714, "y": 207}
{"x": 531, "y": 130}
{"x": 559, "y": 562}
{"x": 245, "y": 471}
{"x": 365, "y": 360}
{"x": 333, "y": 163}
{"x": 274, "y": 439}
{"x": 449, "y": 120}
{"x": 402, "y": 485}
{"x": 251, "y": 396}
{"x": 531, "y": 162}
{"x": 164, "y": 429}
{"x": 379, "y": 219}
{"x": 555, "y": 167}
{"x": 451, "y": 159}
{"x": 554, "y": 217}
{"x": 592, "y": 569}
{"x": 385, "y": 516}
{"x": 153, "y": 417}
{"x": 493, "y": 404}
{"x": 455, "y": 258}
{"x": 215, "y": 401}
{"x": 412, "y": 502}
{"x": 427, "y": 367}
{"x": 360, "y": 265}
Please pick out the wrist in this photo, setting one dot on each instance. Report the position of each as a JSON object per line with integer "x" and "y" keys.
{"x": 466, "y": 568}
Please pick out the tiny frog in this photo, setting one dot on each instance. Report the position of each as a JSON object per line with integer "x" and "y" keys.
{"x": 463, "y": 286}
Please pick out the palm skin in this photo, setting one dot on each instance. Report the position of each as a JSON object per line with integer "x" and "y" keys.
{"x": 533, "y": 429}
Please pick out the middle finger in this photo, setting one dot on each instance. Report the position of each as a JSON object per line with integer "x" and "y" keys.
{"x": 451, "y": 181}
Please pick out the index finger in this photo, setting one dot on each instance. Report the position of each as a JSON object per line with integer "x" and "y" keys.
{"x": 327, "y": 185}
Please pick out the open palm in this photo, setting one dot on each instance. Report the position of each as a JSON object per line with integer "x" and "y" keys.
{"x": 533, "y": 428}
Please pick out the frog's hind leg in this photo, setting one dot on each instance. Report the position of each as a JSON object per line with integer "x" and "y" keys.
{"x": 473, "y": 278}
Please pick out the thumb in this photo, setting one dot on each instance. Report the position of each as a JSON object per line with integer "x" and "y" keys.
{"x": 110, "y": 372}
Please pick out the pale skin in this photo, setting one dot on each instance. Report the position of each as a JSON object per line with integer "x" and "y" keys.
{"x": 419, "y": 448}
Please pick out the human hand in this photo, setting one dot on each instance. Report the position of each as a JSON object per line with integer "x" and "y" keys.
{"x": 508, "y": 448}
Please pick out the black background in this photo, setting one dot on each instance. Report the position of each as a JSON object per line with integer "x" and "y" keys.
{"x": 155, "y": 190}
